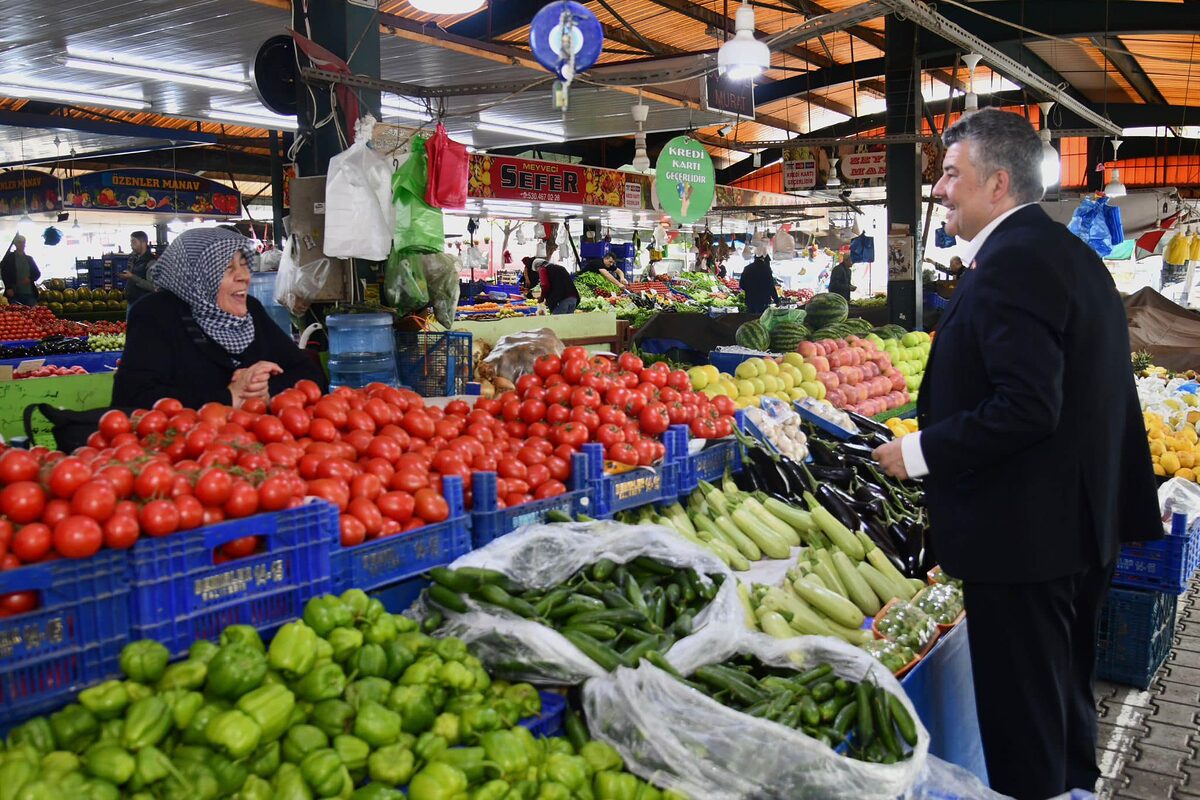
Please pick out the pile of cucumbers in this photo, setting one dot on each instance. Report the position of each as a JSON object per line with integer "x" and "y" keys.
{"x": 615, "y": 614}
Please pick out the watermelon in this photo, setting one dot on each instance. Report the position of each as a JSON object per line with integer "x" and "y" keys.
{"x": 753, "y": 335}
{"x": 826, "y": 309}
{"x": 786, "y": 335}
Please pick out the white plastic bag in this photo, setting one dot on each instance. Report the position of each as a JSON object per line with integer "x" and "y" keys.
{"x": 689, "y": 742}
{"x": 941, "y": 780}
{"x": 1178, "y": 496}
{"x": 541, "y": 556}
{"x": 359, "y": 215}
{"x": 297, "y": 284}
{"x": 783, "y": 244}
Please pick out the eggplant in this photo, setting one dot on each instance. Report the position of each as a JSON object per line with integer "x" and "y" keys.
{"x": 825, "y": 455}
{"x": 866, "y": 492}
{"x": 847, "y": 449}
{"x": 878, "y": 534}
{"x": 773, "y": 479}
{"x": 868, "y": 424}
{"x": 838, "y": 504}
{"x": 839, "y": 476}
{"x": 797, "y": 477}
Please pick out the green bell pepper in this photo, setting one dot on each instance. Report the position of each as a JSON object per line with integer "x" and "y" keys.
{"x": 479, "y": 719}
{"x": 451, "y": 649}
{"x": 95, "y": 789}
{"x": 461, "y": 702}
{"x": 399, "y": 658}
{"x": 571, "y": 771}
{"x": 345, "y": 641}
{"x": 648, "y": 791}
{"x": 375, "y": 610}
{"x": 152, "y": 766}
{"x": 482, "y": 679}
{"x": 392, "y": 765}
{"x": 137, "y": 691}
{"x": 144, "y": 661}
{"x": 507, "y": 752}
{"x": 39, "y": 789}
{"x": 529, "y": 743}
{"x": 553, "y": 791}
{"x": 325, "y": 613}
{"x": 423, "y": 670}
{"x": 288, "y": 784}
{"x": 235, "y": 669}
{"x": 471, "y": 761}
{"x": 195, "y": 781}
{"x": 324, "y": 651}
{"x": 59, "y": 762}
{"x": 381, "y": 630}
{"x": 243, "y": 634}
{"x": 601, "y": 756}
{"x": 323, "y": 771}
{"x": 147, "y": 723}
{"x": 202, "y": 650}
{"x": 255, "y": 788}
{"x": 352, "y": 751}
{"x": 405, "y": 624}
{"x": 615, "y": 786}
{"x": 492, "y": 790}
{"x": 183, "y": 705}
{"x": 195, "y": 731}
{"x": 109, "y": 762}
{"x": 438, "y": 781}
{"x": 369, "y": 661}
{"x": 456, "y": 676}
{"x": 14, "y": 776}
{"x": 365, "y": 689}
{"x": 333, "y": 716}
{"x": 231, "y": 775}
{"x": 509, "y": 713}
{"x": 265, "y": 760}
{"x": 429, "y": 745}
{"x": 271, "y": 707}
{"x": 376, "y": 724}
{"x": 36, "y": 733}
{"x": 300, "y": 712}
{"x": 74, "y": 727}
{"x": 106, "y": 700}
{"x": 357, "y": 601}
{"x": 188, "y": 674}
{"x": 418, "y": 643}
{"x": 190, "y": 752}
{"x": 324, "y": 682}
{"x": 449, "y": 727}
{"x": 293, "y": 650}
{"x": 415, "y": 707}
{"x": 234, "y": 732}
{"x": 374, "y": 791}
{"x": 302, "y": 740}
{"x": 522, "y": 790}
{"x": 526, "y": 697}
{"x": 112, "y": 731}
{"x": 556, "y": 745}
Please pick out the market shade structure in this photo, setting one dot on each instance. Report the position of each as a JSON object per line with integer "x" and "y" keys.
{"x": 1167, "y": 331}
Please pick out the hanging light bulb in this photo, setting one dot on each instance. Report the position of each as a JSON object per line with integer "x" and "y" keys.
{"x": 1115, "y": 188}
{"x": 1051, "y": 165}
{"x": 834, "y": 181}
{"x": 972, "y": 61}
{"x": 447, "y": 7}
{"x": 743, "y": 57}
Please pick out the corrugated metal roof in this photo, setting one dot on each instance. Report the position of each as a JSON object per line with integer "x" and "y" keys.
{"x": 1178, "y": 79}
{"x": 1081, "y": 63}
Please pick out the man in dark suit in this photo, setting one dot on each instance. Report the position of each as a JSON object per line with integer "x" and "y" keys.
{"x": 1033, "y": 443}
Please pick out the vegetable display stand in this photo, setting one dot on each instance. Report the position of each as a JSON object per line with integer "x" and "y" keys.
{"x": 180, "y": 595}
{"x": 1165, "y": 565}
{"x": 707, "y": 464}
{"x": 637, "y": 487}
{"x": 550, "y": 721}
{"x": 434, "y": 364}
{"x": 489, "y": 522}
{"x": 1135, "y": 635}
{"x": 72, "y": 392}
{"x": 73, "y": 639}
{"x": 377, "y": 565}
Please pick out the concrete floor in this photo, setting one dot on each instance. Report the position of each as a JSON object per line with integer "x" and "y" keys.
{"x": 1149, "y": 747}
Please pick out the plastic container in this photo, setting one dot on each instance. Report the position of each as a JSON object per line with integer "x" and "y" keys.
{"x": 361, "y": 350}
{"x": 434, "y": 364}
{"x": 728, "y": 362}
{"x": 399, "y": 597}
{"x": 637, "y": 487}
{"x": 1165, "y": 565}
{"x": 262, "y": 288}
{"x": 379, "y": 564}
{"x": 550, "y": 721}
{"x": 1135, "y": 635}
{"x": 180, "y": 595}
{"x": 489, "y": 522}
{"x": 74, "y": 639}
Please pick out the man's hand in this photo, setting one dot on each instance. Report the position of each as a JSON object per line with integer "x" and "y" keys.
{"x": 126, "y": 274}
{"x": 891, "y": 458}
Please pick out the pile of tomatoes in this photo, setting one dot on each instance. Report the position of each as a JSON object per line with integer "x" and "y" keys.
{"x": 50, "y": 372}
{"x": 622, "y": 404}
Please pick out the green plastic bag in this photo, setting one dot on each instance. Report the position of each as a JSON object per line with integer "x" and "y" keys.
{"x": 773, "y": 316}
{"x": 418, "y": 226}
{"x": 404, "y": 286}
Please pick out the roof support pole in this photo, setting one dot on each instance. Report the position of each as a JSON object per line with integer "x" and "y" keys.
{"x": 902, "y": 79}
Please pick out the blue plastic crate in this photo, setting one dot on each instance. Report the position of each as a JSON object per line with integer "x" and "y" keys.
{"x": 373, "y": 566}
{"x": 550, "y": 721}
{"x": 1165, "y": 565}
{"x": 639, "y": 486}
{"x": 74, "y": 639}
{"x": 717, "y": 456}
{"x": 399, "y": 597}
{"x": 434, "y": 364}
{"x": 489, "y": 522}
{"x": 180, "y": 595}
{"x": 1135, "y": 635}
{"x": 728, "y": 362}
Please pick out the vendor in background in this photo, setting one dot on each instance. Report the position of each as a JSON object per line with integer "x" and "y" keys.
{"x": 202, "y": 338}
{"x": 558, "y": 289}
{"x": 19, "y": 273}
{"x": 137, "y": 277}
{"x": 607, "y": 267}
{"x": 839, "y": 279}
{"x": 955, "y": 270}
{"x": 758, "y": 282}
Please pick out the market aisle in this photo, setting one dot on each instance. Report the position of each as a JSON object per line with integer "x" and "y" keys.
{"x": 1149, "y": 740}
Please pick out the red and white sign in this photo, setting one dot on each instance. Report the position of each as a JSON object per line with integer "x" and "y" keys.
{"x": 526, "y": 179}
{"x": 633, "y": 195}
{"x": 799, "y": 175}
{"x": 864, "y": 166}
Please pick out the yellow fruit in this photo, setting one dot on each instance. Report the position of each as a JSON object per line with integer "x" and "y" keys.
{"x": 797, "y": 393}
{"x": 698, "y": 377}
{"x": 1193, "y": 417}
{"x": 712, "y": 372}
{"x": 746, "y": 369}
{"x": 794, "y": 359}
{"x": 808, "y": 371}
{"x": 1189, "y": 435}
{"x": 770, "y": 367}
{"x": 746, "y": 388}
{"x": 1186, "y": 459}
{"x": 1158, "y": 470}
{"x": 1186, "y": 474}
{"x": 1170, "y": 463}
{"x": 786, "y": 381}
{"x": 1157, "y": 448}
{"x": 1155, "y": 433}
{"x": 911, "y": 424}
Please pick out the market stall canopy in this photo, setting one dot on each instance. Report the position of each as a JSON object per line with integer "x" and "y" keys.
{"x": 1167, "y": 331}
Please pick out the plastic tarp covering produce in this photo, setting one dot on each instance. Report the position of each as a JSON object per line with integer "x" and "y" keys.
{"x": 1167, "y": 331}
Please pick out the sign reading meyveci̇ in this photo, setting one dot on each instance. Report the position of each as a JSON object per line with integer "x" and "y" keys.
{"x": 686, "y": 179}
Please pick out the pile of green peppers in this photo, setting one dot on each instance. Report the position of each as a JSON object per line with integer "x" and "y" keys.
{"x": 348, "y": 702}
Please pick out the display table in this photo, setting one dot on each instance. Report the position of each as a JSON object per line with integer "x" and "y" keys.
{"x": 92, "y": 362}
{"x": 593, "y": 325}
{"x": 943, "y": 691}
{"x": 74, "y": 392}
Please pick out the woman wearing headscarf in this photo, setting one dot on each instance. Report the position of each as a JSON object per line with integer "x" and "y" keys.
{"x": 202, "y": 338}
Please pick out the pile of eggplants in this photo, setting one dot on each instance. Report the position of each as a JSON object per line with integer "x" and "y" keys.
{"x": 847, "y": 481}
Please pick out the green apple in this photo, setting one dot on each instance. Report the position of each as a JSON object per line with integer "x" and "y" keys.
{"x": 699, "y": 378}
{"x": 745, "y": 388}
{"x": 808, "y": 372}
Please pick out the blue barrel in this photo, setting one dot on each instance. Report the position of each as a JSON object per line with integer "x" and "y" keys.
{"x": 362, "y": 350}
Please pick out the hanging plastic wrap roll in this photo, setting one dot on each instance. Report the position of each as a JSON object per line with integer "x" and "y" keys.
{"x": 359, "y": 215}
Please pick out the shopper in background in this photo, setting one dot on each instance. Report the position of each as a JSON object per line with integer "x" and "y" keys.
{"x": 607, "y": 267}
{"x": 137, "y": 277}
{"x": 955, "y": 270}
{"x": 202, "y": 338}
{"x": 1028, "y": 505}
{"x": 20, "y": 274}
{"x": 558, "y": 289}
{"x": 758, "y": 282}
{"x": 839, "y": 279}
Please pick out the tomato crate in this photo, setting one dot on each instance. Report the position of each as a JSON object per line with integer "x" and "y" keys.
{"x": 550, "y": 721}
{"x": 1165, "y": 565}
{"x": 180, "y": 595}
{"x": 72, "y": 640}
{"x": 707, "y": 463}
{"x": 398, "y": 597}
{"x": 434, "y": 364}
{"x": 637, "y": 487}
{"x": 375, "y": 565}
{"x": 1135, "y": 635}
{"x": 489, "y": 522}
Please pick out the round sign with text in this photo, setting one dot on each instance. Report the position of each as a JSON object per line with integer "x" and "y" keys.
{"x": 686, "y": 180}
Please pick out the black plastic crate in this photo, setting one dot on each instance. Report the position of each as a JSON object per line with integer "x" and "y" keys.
{"x": 434, "y": 364}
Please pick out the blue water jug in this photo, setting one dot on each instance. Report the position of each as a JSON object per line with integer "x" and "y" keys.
{"x": 362, "y": 350}
{"x": 262, "y": 288}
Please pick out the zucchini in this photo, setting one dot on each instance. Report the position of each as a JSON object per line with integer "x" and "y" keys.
{"x": 859, "y": 591}
{"x": 747, "y": 606}
{"x": 903, "y": 588}
{"x": 798, "y": 519}
{"x": 771, "y": 543}
{"x": 804, "y": 620}
{"x": 838, "y": 533}
{"x": 769, "y": 520}
{"x": 744, "y": 544}
{"x": 880, "y": 585}
{"x": 773, "y": 624}
{"x": 832, "y": 605}
{"x": 828, "y": 573}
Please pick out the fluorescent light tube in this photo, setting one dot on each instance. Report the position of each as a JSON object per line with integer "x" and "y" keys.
{"x": 524, "y": 133}
{"x": 167, "y": 76}
{"x": 71, "y": 96}
{"x": 261, "y": 120}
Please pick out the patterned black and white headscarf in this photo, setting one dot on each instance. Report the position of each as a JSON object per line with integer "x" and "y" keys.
{"x": 192, "y": 269}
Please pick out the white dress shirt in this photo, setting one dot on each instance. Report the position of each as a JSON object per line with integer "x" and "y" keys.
{"x": 910, "y": 446}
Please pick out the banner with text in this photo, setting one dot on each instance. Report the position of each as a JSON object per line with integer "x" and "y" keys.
{"x": 152, "y": 190}
{"x": 864, "y": 166}
{"x": 28, "y": 191}
{"x": 505, "y": 178}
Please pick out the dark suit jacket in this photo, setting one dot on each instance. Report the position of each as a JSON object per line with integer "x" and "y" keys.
{"x": 1031, "y": 426}
{"x": 164, "y": 357}
{"x": 8, "y": 272}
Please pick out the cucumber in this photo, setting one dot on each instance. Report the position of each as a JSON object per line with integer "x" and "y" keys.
{"x": 597, "y": 630}
{"x": 768, "y": 541}
{"x": 880, "y": 561}
{"x": 605, "y": 656}
{"x": 744, "y": 544}
{"x": 859, "y": 591}
{"x": 832, "y": 605}
{"x": 447, "y": 599}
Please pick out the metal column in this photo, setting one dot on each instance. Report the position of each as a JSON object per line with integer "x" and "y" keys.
{"x": 276, "y": 190}
{"x": 902, "y": 85}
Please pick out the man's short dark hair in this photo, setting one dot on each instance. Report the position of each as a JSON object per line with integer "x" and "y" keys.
{"x": 141, "y": 236}
{"x": 1003, "y": 141}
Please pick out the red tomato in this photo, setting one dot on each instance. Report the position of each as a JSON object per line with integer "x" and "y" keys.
{"x": 22, "y": 502}
{"x": 242, "y": 502}
{"x": 654, "y": 419}
{"x": 353, "y": 532}
{"x": 114, "y": 423}
{"x": 622, "y": 453}
{"x": 546, "y": 365}
{"x": 15, "y": 603}
{"x": 654, "y": 376}
{"x": 121, "y": 532}
{"x": 159, "y": 518}
{"x": 609, "y": 435}
{"x": 585, "y": 396}
{"x": 573, "y": 353}
{"x": 431, "y": 506}
{"x": 275, "y": 493}
{"x": 509, "y": 467}
{"x": 611, "y": 415}
{"x": 397, "y": 506}
{"x": 645, "y": 451}
{"x": 517, "y": 430}
{"x": 570, "y": 433}
{"x": 629, "y": 362}
{"x": 538, "y": 429}
{"x": 532, "y": 411}
{"x": 572, "y": 370}
{"x": 56, "y": 510}
{"x": 634, "y": 403}
{"x": 418, "y": 424}
{"x": 559, "y": 393}
{"x": 191, "y": 512}
{"x": 312, "y": 392}
{"x": 724, "y": 427}
{"x": 679, "y": 380}
{"x": 330, "y": 409}
{"x": 527, "y": 382}
{"x": 241, "y": 547}
{"x": 334, "y": 491}
{"x": 95, "y": 499}
{"x": 368, "y": 514}
{"x": 32, "y": 542}
{"x": 531, "y": 455}
{"x": 551, "y": 488}
{"x": 151, "y": 423}
{"x": 724, "y": 404}
{"x": 560, "y": 469}
{"x": 18, "y": 465}
{"x": 154, "y": 480}
{"x": 588, "y": 417}
{"x": 556, "y": 414}
{"x": 537, "y": 474}
{"x": 78, "y": 536}
{"x": 68, "y": 475}
{"x": 458, "y": 408}
{"x": 213, "y": 487}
